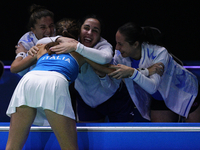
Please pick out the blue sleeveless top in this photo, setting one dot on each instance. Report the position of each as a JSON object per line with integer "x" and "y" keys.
{"x": 62, "y": 63}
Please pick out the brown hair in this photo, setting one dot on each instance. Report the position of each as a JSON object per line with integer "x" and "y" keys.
{"x": 68, "y": 28}
{"x": 49, "y": 45}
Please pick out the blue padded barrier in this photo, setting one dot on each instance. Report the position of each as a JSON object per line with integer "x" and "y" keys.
{"x": 117, "y": 136}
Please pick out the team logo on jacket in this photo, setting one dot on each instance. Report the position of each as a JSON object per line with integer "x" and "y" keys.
{"x": 150, "y": 55}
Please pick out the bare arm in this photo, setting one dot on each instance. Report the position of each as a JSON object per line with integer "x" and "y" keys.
{"x": 102, "y": 68}
{"x": 20, "y": 48}
{"x": 79, "y": 58}
{"x": 20, "y": 64}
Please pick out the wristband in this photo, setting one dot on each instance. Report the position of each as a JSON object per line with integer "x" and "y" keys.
{"x": 21, "y": 54}
{"x": 144, "y": 71}
{"x": 134, "y": 74}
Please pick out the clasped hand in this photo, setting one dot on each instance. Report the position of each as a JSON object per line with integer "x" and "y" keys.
{"x": 156, "y": 68}
{"x": 66, "y": 45}
{"x": 33, "y": 51}
{"x": 122, "y": 71}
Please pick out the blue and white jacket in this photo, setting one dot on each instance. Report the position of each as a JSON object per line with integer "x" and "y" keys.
{"x": 178, "y": 86}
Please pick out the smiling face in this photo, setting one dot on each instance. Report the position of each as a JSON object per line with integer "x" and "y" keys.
{"x": 126, "y": 49}
{"x": 44, "y": 27}
{"x": 90, "y": 32}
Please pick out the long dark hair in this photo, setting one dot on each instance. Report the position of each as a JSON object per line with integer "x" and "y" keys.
{"x": 132, "y": 33}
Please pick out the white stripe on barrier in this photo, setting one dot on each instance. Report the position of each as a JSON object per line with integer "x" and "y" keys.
{"x": 117, "y": 129}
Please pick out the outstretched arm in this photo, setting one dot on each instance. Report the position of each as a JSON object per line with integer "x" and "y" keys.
{"x": 107, "y": 82}
{"x": 149, "y": 84}
{"x": 67, "y": 45}
{"x": 102, "y": 68}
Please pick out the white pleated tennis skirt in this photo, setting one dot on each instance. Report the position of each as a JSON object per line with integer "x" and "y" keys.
{"x": 43, "y": 90}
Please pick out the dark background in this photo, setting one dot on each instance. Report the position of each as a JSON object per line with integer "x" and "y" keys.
{"x": 178, "y": 20}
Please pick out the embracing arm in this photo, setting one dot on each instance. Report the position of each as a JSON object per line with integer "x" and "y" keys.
{"x": 20, "y": 64}
{"x": 102, "y": 68}
{"x": 107, "y": 82}
{"x": 22, "y": 61}
{"x": 155, "y": 68}
{"x": 67, "y": 45}
{"x": 98, "y": 56}
{"x": 149, "y": 84}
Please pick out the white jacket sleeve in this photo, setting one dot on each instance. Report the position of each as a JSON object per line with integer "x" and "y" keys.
{"x": 102, "y": 56}
{"x": 149, "y": 84}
